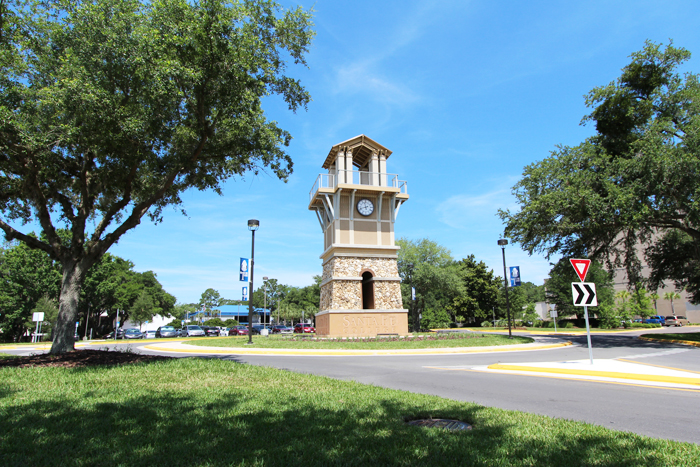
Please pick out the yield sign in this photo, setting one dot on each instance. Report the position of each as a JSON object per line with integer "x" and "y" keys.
{"x": 584, "y": 294}
{"x": 581, "y": 267}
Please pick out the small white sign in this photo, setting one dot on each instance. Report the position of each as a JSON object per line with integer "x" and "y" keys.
{"x": 552, "y": 313}
{"x": 38, "y": 316}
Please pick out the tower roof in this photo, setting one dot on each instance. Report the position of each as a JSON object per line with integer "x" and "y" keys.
{"x": 362, "y": 148}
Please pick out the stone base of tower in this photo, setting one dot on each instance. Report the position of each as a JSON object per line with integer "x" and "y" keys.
{"x": 361, "y": 323}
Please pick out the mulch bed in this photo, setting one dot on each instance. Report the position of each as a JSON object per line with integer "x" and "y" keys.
{"x": 80, "y": 358}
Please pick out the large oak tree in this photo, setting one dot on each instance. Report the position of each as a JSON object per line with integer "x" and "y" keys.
{"x": 110, "y": 109}
{"x": 635, "y": 182}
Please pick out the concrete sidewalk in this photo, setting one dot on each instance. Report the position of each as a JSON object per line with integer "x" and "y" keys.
{"x": 602, "y": 370}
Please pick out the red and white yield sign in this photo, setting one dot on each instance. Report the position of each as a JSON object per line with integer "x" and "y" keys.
{"x": 581, "y": 267}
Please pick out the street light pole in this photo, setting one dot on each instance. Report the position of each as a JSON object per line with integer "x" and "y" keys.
{"x": 416, "y": 322}
{"x": 503, "y": 242}
{"x": 265, "y": 298}
{"x": 253, "y": 225}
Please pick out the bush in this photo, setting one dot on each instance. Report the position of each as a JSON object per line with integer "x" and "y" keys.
{"x": 486, "y": 324}
{"x": 645, "y": 325}
{"x": 567, "y": 325}
{"x": 176, "y": 323}
{"x": 436, "y": 319}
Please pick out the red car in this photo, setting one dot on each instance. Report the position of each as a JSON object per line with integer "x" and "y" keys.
{"x": 306, "y": 328}
{"x": 238, "y": 331}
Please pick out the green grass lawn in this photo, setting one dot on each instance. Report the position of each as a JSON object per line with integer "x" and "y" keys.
{"x": 210, "y": 412}
{"x": 298, "y": 342}
{"x": 689, "y": 336}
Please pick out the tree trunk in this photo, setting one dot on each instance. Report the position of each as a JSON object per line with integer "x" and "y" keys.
{"x": 72, "y": 283}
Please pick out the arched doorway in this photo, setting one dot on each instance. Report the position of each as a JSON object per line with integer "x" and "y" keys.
{"x": 367, "y": 291}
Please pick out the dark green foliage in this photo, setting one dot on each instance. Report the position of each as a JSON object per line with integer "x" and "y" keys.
{"x": 635, "y": 181}
{"x": 26, "y": 277}
{"x": 479, "y": 290}
{"x": 431, "y": 270}
{"x": 215, "y": 322}
{"x": 111, "y": 109}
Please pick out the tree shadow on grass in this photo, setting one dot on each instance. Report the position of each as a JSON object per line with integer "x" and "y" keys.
{"x": 349, "y": 424}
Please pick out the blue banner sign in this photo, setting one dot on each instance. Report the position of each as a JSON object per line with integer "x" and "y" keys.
{"x": 244, "y": 270}
{"x": 514, "y": 276}
{"x": 245, "y": 294}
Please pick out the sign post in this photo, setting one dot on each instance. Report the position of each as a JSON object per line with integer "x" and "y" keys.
{"x": 584, "y": 294}
{"x": 38, "y": 316}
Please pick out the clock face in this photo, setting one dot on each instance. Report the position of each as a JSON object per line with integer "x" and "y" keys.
{"x": 365, "y": 207}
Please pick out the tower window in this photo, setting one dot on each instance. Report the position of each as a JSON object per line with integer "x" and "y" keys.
{"x": 367, "y": 291}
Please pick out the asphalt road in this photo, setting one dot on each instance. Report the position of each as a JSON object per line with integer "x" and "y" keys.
{"x": 651, "y": 411}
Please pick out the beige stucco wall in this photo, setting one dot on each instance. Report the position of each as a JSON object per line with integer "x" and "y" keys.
{"x": 362, "y": 324}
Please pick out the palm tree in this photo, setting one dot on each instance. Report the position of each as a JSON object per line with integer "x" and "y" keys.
{"x": 654, "y": 296}
{"x": 624, "y": 296}
{"x": 671, "y": 296}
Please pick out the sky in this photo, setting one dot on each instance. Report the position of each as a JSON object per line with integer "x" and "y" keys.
{"x": 465, "y": 94}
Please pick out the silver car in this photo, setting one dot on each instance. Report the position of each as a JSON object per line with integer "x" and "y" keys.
{"x": 191, "y": 331}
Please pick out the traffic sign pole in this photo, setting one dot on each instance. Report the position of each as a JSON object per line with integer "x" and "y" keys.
{"x": 584, "y": 293}
{"x": 588, "y": 335}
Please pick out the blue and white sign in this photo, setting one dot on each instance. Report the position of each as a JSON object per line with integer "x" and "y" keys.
{"x": 515, "y": 276}
{"x": 245, "y": 294}
{"x": 413, "y": 293}
{"x": 244, "y": 270}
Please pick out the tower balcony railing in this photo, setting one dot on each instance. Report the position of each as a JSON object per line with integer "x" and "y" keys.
{"x": 358, "y": 177}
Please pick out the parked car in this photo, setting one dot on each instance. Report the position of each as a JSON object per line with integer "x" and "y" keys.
{"x": 210, "y": 330}
{"x": 167, "y": 331}
{"x": 149, "y": 334}
{"x": 257, "y": 328}
{"x": 238, "y": 331}
{"x": 676, "y": 321}
{"x": 281, "y": 329}
{"x": 656, "y": 319}
{"x": 191, "y": 330}
{"x": 223, "y": 331}
{"x": 133, "y": 333}
{"x": 303, "y": 327}
{"x": 120, "y": 334}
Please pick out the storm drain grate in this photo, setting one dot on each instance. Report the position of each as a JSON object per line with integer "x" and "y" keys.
{"x": 452, "y": 425}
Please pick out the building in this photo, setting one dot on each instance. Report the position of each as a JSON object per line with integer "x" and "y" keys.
{"x": 357, "y": 203}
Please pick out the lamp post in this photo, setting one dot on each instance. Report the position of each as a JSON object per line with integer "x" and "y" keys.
{"x": 265, "y": 297}
{"x": 416, "y": 322}
{"x": 253, "y": 225}
{"x": 503, "y": 242}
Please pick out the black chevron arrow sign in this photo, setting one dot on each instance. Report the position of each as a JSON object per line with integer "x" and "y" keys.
{"x": 584, "y": 294}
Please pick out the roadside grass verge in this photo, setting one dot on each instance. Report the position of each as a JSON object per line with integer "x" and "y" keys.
{"x": 427, "y": 342}
{"x": 688, "y": 336}
{"x": 212, "y": 412}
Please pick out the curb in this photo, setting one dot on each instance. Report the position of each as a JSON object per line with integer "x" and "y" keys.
{"x": 673, "y": 341}
{"x": 331, "y": 352}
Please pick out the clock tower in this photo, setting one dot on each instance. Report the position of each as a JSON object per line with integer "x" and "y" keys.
{"x": 357, "y": 203}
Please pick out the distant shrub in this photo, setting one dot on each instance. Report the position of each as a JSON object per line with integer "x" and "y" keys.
{"x": 645, "y": 325}
{"x": 486, "y": 324}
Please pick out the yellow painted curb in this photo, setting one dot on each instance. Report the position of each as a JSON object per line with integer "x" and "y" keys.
{"x": 331, "y": 352}
{"x": 602, "y": 374}
{"x": 674, "y": 341}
